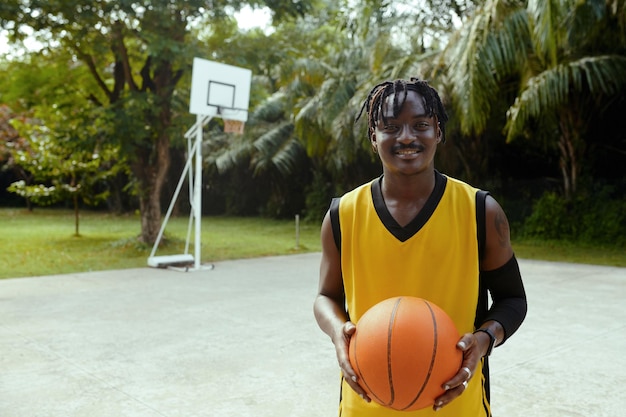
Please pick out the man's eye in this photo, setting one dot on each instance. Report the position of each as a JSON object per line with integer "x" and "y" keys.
{"x": 391, "y": 128}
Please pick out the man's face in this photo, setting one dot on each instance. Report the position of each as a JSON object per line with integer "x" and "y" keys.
{"x": 406, "y": 143}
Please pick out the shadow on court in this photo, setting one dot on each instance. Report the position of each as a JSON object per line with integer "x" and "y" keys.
{"x": 241, "y": 340}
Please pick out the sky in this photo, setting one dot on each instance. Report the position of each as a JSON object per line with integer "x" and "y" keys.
{"x": 247, "y": 18}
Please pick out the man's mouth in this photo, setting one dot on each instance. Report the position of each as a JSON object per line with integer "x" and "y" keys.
{"x": 408, "y": 150}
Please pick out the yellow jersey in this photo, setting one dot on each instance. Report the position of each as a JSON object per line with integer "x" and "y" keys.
{"x": 435, "y": 257}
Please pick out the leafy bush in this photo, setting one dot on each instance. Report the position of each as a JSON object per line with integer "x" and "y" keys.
{"x": 592, "y": 218}
{"x": 318, "y": 196}
{"x": 549, "y": 218}
{"x": 605, "y": 222}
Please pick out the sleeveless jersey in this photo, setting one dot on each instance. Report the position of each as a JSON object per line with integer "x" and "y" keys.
{"x": 435, "y": 257}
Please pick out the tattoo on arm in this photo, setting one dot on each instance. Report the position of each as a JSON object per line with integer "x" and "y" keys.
{"x": 502, "y": 227}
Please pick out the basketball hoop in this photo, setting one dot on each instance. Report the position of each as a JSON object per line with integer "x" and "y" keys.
{"x": 233, "y": 126}
{"x": 217, "y": 90}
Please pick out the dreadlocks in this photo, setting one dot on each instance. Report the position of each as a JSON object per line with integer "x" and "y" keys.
{"x": 377, "y": 97}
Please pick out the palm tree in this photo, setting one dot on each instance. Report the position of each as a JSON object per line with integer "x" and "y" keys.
{"x": 271, "y": 151}
{"x": 315, "y": 97}
{"x": 374, "y": 46}
{"x": 309, "y": 109}
{"x": 557, "y": 49}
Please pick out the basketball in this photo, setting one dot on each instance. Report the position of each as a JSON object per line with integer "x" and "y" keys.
{"x": 403, "y": 350}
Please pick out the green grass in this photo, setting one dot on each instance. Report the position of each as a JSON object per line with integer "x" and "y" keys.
{"x": 559, "y": 251}
{"x": 42, "y": 242}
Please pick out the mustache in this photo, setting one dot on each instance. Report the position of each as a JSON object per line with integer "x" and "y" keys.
{"x": 411, "y": 146}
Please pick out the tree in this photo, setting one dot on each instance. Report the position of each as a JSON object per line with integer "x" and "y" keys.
{"x": 270, "y": 151}
{"x": 58, "y": 171}
{"x": 279, "y": 145}
{"x": 136, "y": 52}
{"x": 566, "y": 56}
{"x": 311, "y": 101}
{"x": 10, "y": 143}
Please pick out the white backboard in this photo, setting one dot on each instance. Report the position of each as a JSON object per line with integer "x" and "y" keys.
{"x": 220, "y": 90}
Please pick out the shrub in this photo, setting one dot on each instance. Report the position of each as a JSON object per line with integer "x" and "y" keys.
{"x": 592, "y": 218}
{"x": 318, "y": 196}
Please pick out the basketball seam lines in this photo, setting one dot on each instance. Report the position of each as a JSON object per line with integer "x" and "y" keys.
{"x": 389, "y": 338}
{"x": 358, "y": 370}
{"x": 432, "y": 359}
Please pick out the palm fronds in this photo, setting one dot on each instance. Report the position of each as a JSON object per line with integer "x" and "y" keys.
{"x": 277, "y": 149}
{"x": 552, "y": 88}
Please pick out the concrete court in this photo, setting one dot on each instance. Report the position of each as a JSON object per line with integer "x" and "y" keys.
{"x": 241, "y": 340}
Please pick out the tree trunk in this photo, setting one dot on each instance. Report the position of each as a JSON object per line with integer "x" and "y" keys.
{"x": 76, "y": 215}
{"x": 153, "y": 163}
{"x": 572, "y": 149}
{"x": 151, "y": 170}
{"x": 565, "y": 164}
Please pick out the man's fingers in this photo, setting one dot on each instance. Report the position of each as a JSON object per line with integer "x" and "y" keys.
{"x": 357, "y": 388}
{"x": 451, "y": 394}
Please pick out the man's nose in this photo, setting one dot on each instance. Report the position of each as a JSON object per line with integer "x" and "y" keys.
{"x": 407, "y": 134}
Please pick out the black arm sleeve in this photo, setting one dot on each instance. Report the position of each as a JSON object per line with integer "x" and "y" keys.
{"x": 507, "y": 293}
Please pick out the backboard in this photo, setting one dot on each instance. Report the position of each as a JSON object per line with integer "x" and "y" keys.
{"x": 220, "y": 90}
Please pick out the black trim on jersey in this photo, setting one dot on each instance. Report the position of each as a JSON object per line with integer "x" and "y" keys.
{"x": 334, "y": 221}
{"x": 483, "y": 300}
{"x": 340, "y": 397}
{"x": 481, "y": 222}
{"x": 405, "y": 233}
{"x": 487, "y": 386}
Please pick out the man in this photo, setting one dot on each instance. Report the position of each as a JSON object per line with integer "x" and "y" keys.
{"x": 417, "y": 232}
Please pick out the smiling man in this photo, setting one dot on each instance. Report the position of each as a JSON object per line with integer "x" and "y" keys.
{"x": 417, "y": 232}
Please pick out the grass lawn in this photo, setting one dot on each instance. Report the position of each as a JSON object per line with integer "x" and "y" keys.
{"x": 42, "y": 242}
{"x": 557, "y": 251}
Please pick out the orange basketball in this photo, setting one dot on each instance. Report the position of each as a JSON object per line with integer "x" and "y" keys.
{"x": 403, "y": 350}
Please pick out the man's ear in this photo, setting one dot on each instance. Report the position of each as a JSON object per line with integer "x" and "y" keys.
{"x": 373, "y": 141}
{"x": 439, "y": 133}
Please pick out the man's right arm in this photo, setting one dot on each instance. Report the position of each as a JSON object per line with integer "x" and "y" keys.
{"x": 329, "y": 306}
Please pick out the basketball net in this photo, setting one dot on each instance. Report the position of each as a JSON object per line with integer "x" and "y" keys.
{"x": 233, "y": 126}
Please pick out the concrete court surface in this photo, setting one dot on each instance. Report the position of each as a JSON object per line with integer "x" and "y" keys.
{"x": 241, "y": 340}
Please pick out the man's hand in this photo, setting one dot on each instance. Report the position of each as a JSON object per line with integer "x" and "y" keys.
{"x": 341, "y": 341}
{"x": 473, "y": 351}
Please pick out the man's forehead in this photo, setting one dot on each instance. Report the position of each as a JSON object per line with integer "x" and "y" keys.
{"x": 413, "y": 99}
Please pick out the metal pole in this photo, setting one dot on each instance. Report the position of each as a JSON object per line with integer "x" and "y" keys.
{"x": 297, "y": 231}
{"x": 188, "y": 166}
{"x": 197, "y": 198}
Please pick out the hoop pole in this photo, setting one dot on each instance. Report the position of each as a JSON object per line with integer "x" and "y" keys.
{"x": 171, "y": 207}
{"x": 190, "y": 153}
{"x": 197, "y": 199}
{"x": 201, "y": 121}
